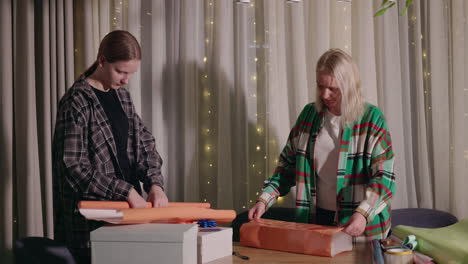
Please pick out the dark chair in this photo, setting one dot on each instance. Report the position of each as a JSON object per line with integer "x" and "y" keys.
{"x": 422, "y": 217}
{"x": 39, "y": 250}
{"x": 275, "y": 213}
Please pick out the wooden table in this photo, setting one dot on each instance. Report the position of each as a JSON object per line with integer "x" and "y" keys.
{"x": 361, "y": 254}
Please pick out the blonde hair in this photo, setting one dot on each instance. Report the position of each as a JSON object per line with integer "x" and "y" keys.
{"x": 341, "y": 66}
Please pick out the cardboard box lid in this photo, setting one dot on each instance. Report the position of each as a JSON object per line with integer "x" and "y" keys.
{"x": 172, "y": 233}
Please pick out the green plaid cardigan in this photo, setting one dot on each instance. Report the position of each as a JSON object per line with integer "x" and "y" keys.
{"x": 365, "y": 178}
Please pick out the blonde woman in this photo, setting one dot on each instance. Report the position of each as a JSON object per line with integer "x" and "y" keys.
{"x": 341, "y": 154}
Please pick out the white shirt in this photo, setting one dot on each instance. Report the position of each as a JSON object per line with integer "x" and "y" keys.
{"x": 327, "y": 150}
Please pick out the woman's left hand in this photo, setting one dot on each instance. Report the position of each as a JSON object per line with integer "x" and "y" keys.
{"x": 157, "y": 197}
{"x": 355, "y": 225}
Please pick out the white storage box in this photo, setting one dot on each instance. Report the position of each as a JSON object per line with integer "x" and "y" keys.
{"x": 214, "y": 244}
{"x": 145, "y": 243}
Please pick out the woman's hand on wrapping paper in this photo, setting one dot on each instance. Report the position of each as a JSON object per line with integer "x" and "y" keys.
{"x": 135, "y": 200}
{"x": 157, "y": 197}
{"x": 257, "y": 210}
{"x": 355, "y": 225}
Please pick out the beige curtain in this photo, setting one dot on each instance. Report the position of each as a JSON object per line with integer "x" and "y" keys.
{"x": 235, "y": 76}
{"x": 6, "y": 131}
{"x": 220, "y": 85}
{"x": 36, "y": 67}
{"x": 458, "y": 94}
{"x": 421, "y": 70}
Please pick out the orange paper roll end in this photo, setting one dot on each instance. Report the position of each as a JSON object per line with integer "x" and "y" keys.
{"x": 125, "y": 205}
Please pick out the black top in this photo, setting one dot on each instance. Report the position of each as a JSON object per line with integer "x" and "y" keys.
{"x": 119, "y": 123}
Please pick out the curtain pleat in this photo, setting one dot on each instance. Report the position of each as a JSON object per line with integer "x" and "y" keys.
{"x": 69, "y": 52}
{"x": 7, "y": 218}
{"x": 439, "y": 103}
{"x": 406, "y": 187}
{"x": 458, "y": 57}
{"x": 279, "y": 117}
{"x": 244, "y": 65}
{"x": 45, "y": 97}
{"x": 26, "y": 156}
{"x": 223, "y": 77}
{"x": 295, "y": 59}
{"x": 363, "y": 46}
{"x": 104, "y": 18}
{"x": 134, "y": 26}
{"x": 158, "y": 105}
{"x": 170, "y": 96}
{"x": 422, "y": 173}
{"x": 191, "y": 70}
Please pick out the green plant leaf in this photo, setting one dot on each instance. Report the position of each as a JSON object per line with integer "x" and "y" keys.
{"x": 407, "y": 5}
{"x": 383, "y": 10}
{"x": 380, "y": 12}
{"x": 384, "y": 3}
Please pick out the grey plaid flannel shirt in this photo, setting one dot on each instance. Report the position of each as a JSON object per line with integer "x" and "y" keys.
{"x": 85, "y": 163}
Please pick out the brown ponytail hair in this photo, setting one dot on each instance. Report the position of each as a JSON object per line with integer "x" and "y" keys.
{"x": 118, "y": 45}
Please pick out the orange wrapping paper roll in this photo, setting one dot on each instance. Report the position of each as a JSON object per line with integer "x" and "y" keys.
{"x": 175, "y": 214}
{"x": 157, "y": 215}
{"x": 295, "y": 237}
{"x": 125, "y": 205}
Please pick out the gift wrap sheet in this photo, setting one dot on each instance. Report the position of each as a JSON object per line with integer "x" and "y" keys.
{"x": 295, "y": 237}
{"x": 445, "y": 245}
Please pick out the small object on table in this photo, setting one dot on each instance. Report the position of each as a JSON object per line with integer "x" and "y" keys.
{"x": 377, "y": 254}
{"x": 206, "y": 223}
{"x": 410, "y": 242}
{"x": 207, "y": 226}
{"x": 419, "y": 258}
{"x": 237, "y": 254}
{"x": 386, "y": 242}
{"x": 398, "y": 256}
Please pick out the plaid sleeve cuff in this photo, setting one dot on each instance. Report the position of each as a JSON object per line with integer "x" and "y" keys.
{"x": 267, "y": 198}
{"x": 150, "y": 181}
{"x": 358, "y": 210}
{"x": 121, "y": 191}
{"x": 366, "y": 210}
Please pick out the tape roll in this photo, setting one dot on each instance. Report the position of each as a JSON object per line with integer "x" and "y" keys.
{"x": 398, "y": 256}
{"x": 410, "y": 242}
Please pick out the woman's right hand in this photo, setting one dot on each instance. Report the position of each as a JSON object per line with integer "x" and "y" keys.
{"x": 135, "y": 200}
{"x": 257, "y": 210}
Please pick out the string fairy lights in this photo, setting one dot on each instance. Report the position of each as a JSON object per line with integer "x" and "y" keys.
{"x": 207, "y": 114}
